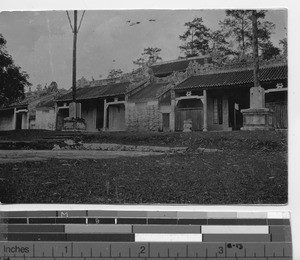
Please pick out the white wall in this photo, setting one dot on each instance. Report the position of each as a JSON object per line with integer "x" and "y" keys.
{"x": 45, "y": 119}
{"x": 6, "y": 121}
{"x": 89, "y": 113}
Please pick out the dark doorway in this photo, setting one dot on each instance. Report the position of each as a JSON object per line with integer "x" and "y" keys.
{"x": 100, "y": 114}
{"x": 62, "y": 113}
{"x": 189, "y": 109}
{"x": 19, "y": 121}
{"x": 238, "y": 100}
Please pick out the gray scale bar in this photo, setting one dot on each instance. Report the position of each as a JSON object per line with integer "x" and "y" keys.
{"x": 166, "y": 229}
{"x": 113, "y": 258}
{"x": 280, "y": 233}
{"x": 34, "y": 228}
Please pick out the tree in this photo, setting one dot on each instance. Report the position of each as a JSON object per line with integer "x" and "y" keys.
{"x": 150, "y": 56}
{"x": 12, "y": 79}
{"x": 269, "y": 51}
{"x": 39, "y": 87}
{"x": 115, "y": 74}
{"x": 53, "y": 87}
{"x": 219, "y": 47}
{"x": 283, "y": 43}
{"x": 238, "y": 26}
{"x": 196, "y": 38}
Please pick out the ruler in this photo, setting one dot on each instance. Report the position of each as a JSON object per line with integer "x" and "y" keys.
{"x": 106, "y": 234}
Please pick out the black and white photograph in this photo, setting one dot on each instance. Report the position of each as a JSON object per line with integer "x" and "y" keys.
{"x": 179, "y": 107}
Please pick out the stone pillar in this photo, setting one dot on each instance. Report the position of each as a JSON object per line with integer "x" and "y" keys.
{"x": 72, "y": 110}
{"x": 78, "y": 110}
{"x": 104, "y": 115}
{"x": 257, "y": 97}
{"x": 14, "y": 119}
{"x": 28, "y": 126}
{"x": 204, "y": 110}
{"x": 126, "y": 113}
{"x": 172, "y": 112}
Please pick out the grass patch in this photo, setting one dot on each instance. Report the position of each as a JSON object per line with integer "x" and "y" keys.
{"x": 233, "y": 177}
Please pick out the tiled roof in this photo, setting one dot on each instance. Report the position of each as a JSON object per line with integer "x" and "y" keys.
{"x": 233, "y": 78}
{"x": 97, "y": 92}
{"x": 148, "y": 92}
{"x": 166, "y": 68}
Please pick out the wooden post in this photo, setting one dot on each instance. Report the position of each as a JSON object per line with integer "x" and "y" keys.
{"x": 205, "y": 110}
{"x": 105, "y": 115}
{"x": 14, "y": 121}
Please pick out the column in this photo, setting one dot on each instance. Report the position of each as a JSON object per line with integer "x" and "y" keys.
{"x": 126, "y": 113}
{"x": 104, "y": 115}
{"x": 14, "y": 119}
{"x": 204, "y": 110}
{"x": 28, "y": 126}
{"x": 172, "y": 113}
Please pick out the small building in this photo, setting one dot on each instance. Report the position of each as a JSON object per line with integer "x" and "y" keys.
{"x": 214, "y": 97}
{"x": 102, "y": 106}
{"x": 14, "y": 117}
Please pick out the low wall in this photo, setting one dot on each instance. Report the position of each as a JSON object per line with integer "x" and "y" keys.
{"x": 143, "y": 116}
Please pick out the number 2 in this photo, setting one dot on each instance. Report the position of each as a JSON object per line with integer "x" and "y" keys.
{"x": 142, "y": 251}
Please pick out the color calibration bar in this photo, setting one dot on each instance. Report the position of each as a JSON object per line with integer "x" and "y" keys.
{"x": 145, "y": 235}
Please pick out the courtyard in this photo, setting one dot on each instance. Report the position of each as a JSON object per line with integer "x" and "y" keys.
{"x": 237, "y": 167}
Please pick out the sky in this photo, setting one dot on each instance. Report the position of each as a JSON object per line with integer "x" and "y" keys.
{"x": 41, "y": 42}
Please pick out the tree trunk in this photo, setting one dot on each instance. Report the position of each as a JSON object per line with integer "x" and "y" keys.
{"x": 74, "y": 57}
{"x": 255, "y": 50}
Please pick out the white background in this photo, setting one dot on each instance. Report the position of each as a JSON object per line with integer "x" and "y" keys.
{"x": 294, "y": 70}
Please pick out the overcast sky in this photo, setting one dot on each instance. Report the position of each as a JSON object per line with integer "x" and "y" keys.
{"x": 41, "y": 42}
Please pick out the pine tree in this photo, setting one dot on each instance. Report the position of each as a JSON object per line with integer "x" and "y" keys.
{"x": 238, "y": 27}
{"x": 150, "y": 56}
{"x": 196, "y": 38}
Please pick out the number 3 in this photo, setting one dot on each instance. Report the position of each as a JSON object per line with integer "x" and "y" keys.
{"x": 221, "y": 250}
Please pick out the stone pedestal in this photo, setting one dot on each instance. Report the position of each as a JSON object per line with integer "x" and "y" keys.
{"x": 74, "y": 122}
{"x": 257, "y": 119}
{"x": 187, "y": 125}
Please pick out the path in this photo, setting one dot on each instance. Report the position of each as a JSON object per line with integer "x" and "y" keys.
{"x": 14, "y": 156}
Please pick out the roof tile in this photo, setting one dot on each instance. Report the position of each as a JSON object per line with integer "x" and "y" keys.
{"x": 97, "y": 92}
{"x": 233, "y": 78}
{"x": 148, "y": 92}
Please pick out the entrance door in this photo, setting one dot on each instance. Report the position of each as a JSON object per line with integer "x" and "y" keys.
{"x": 100, "y": 114}
{"x": 189, "y": 109}
{"x": 19, "y": 121}
{"x": 62, "y": 113}
{"x": 116, "y": 117}
{"x": 166, "y": 122}
{"x": 196, "y": 115}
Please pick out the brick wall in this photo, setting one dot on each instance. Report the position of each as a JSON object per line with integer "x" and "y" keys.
{"x": 143, "y": 116}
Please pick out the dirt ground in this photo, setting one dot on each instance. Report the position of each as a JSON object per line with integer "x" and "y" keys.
{"x": 15, "y": 156}
{"x": 251, "y": 169}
